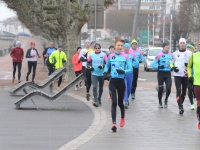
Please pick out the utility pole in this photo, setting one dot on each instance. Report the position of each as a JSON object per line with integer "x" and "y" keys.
{"x": 95, "y": 22}
{"x": 164, "y": 13}
{"x": 135, "y": 20}
{"x": 153, "y": 29}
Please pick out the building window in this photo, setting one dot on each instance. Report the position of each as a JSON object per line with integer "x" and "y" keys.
{"x": 151, "y": 7}
{"x": 158, "y": 7}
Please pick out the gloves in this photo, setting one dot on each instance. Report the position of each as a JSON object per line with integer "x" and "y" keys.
{"x": 64, "y": 61}
{"x": 106, "y": 76}
{"x": 186, "y": 64}
{"x": 100, "y": 66}
{"x": 161, "y": 67}
{"x": 140, "y": 61}
{"x": 176, "y": 69}
{"x": 79, "y": 61}
{"x": 120, "y": 71}
{"x": 191, "y": 79}
{"x": 90, "y": 68}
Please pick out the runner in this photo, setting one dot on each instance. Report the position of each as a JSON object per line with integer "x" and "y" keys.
{"x": 32, "y": 55}
{"x": 88, "y": 70}
{"x": 111, "y": 50}
{"x": 17, "y": 55}
{"x": 191, "y": 94}
{"x": 97, "y": 60}
{"x": 194, "y": 66}
{"x": 129, "y": 77}
{"x": 47, "y": 53}
{"x": 77, "y": 66}
{"x": 163, "y": 63}
{"x": 60, "y": 58}
{"x": 181, "y": 58}
{"x": 140, "y": 58}
{"x": 83, "y": 59}
{"x": 117, "y": 62}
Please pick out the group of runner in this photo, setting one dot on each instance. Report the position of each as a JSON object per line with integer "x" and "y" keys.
{"x": 53, "y": 58}
{"x": 185, "y": 65}
{"x": 120, "y": 67}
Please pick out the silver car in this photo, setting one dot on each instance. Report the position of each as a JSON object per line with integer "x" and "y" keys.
{"x": 151, "y": 54}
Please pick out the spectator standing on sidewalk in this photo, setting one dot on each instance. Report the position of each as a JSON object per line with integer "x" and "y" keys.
{"x": 32, "y": 55}
{"x": 47, "y": 53}
{"x": 140, "y": 58}
{"x": 77, "y": 66}
{"x": 163, "y": 63}
{"x": 97, "y": 61}
{"x": 181, "y": 58}
{"x": 117, "y": 62}
{"x": 194, "y": 66}
{"x": 57, "y": 59}
{"x": 17, "y": 55}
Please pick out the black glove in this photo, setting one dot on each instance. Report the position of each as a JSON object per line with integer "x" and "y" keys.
{"x": 120, "y": 71}
{"x": 176, "y": 69}
{"x": 90, "y": 68}
{"x": 191, "y": 79}
{"x": 83, "y": 59}
{"x": 106, "y": 76}
{"x": 186, "y": 64}
{"x": 161, "y": 67}
{"x": 140, "y": 61}
{"x": 64, "y": 61}
{"x": 79, "y": 61}
{"x": 100, "y": 66}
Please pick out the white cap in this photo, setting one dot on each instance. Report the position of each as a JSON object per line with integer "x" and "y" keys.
{"x": 87, "y": 41}
{"x": 182, "y": 40}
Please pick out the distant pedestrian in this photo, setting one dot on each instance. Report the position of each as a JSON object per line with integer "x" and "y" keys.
{"x": 47, "y": 53}
{"x": 181, "y": 58}
{"x": 194, "y": 66}
{"x": 140, "y": 58}
{"x": 57, "y": 59}
{"x": 117, "y": 62}
{"x": 163, "y": 63}
{"x": 77, "y": 66}
{"x": 17, "y": 55}
{"x": 32, "y": 55}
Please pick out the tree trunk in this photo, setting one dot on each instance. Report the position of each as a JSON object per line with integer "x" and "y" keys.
{"x": 70, "y": 45}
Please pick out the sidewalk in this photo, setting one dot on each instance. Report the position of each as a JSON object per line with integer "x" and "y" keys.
{"x": 147, "y": 127}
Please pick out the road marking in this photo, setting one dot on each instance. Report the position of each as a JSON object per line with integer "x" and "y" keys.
{"x": 142, "y": 79}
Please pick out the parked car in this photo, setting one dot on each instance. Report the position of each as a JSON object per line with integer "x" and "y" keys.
{"x": 105, "y": 50}
{"x": 151, "y": 54}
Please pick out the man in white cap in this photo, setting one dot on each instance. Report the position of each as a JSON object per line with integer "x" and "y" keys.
{"x": 83, "y": 58}
{"x": 181, "y": 58}
{"x": 17, "y": 55}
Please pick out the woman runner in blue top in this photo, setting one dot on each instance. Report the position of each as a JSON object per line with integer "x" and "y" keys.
{"x": 117, "y": 61}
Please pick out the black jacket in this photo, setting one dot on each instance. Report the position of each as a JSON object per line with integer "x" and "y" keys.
{"x": 28, "y": 53}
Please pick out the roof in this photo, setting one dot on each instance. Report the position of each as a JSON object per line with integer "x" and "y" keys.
{"x": 5, "y": 33}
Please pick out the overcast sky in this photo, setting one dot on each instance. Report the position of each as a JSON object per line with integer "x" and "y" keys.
{"x": 5, "y": 12}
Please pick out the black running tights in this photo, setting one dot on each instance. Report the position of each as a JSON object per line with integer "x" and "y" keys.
{"x": 117, "y": 85}
{"x": 15, "y": 65}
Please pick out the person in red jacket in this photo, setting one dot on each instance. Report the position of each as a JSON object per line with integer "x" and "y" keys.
{"x": 17, "y": 55}
{"x": 77, "y": 66}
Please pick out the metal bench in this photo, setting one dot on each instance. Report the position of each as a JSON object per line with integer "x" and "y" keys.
{"x": 47, "y": 82}
{"x": 44, "y": 95}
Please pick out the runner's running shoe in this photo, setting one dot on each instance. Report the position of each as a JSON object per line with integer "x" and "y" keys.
{"x": 165, "y": 106}
{"x": 96, "y": 104}
{"x": 122, "y": 122}
{"x": 198, "y": 125}
{"x": 192, "y": 107}
{"x": 160, "y": 105}
{"x": 132, "y": 96}
{"x": 126, "y": 105}
{"x": 114, "y": 128}
{"x": 87, "y": 96}
{"x": 181, "y": 110}
{"x": 13, "y": 80}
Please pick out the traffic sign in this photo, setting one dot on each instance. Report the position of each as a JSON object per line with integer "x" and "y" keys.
{"x": 144, "y": 36}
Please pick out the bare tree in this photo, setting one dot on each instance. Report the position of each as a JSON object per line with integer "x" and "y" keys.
{"x": 57, "y": 20}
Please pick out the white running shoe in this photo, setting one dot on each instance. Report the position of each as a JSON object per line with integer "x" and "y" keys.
{"x": 76, "y": 88}
{"x": 192, "y": 107}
